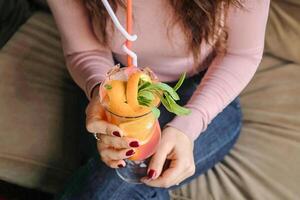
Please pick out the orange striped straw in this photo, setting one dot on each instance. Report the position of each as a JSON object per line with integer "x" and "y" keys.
{"x": 129, "y": 30}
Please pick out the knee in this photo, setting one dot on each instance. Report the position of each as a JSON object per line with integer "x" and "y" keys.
{"x": 143, "y": 192}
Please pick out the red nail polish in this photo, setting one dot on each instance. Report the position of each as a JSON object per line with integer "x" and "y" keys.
{"x": 116, "y": 133}
{"x": 151, "y": 173}
{"x": 130, "y": 152}
{"x": 134, "y": 144}
{"x": 120, "y": 165}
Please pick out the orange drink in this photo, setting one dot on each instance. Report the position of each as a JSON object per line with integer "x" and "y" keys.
{"x": 130, "y": 97}
{"x": 119, "y": 95}
{"x": 143, "y": 128}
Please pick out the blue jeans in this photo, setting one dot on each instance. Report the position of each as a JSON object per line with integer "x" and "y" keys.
{"x": 96, "y": 181}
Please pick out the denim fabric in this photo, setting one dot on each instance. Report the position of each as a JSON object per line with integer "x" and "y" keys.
{"x": 96, "y": 181}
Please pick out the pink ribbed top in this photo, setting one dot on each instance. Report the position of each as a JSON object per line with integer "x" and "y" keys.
{"x": 166, "y": 53}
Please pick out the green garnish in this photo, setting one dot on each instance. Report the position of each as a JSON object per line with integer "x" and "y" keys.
{"x": 180, "y": 81}
{"x": 156, "y": 112}
{"x": 143, "y": 84}
{"x": 108, "y": 87}
{"x": 168, "y": 96}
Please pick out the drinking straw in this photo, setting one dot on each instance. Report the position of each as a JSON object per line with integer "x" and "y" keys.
{"x": 129, "y": 30}
{"x": 131, "y": 56}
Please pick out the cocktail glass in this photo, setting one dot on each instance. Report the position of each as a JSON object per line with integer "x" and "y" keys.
{"x": 145, "y": 127}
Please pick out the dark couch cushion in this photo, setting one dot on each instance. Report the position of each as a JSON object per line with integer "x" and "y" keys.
{"x": 42, "y": 3}
{"x": 13, "y": 13}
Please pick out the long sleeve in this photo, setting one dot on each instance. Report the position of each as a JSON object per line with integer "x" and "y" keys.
{"x": 86, "y": 59}
{"x": 229, "y": 75}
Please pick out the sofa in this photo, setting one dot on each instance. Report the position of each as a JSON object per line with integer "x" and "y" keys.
{"x": 42, "y": 116}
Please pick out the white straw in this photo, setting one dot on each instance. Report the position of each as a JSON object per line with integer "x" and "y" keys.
{"x": 123, "y": 31}
{"x": 131, "y": 54}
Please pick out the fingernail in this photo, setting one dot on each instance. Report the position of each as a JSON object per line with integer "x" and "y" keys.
{"x": 120, "y": 165}
{"x": 130, "y": 152}
{"x": 151, "y": 173}
{"x": 116, "y": 133}
{"x": 134, "y": 144}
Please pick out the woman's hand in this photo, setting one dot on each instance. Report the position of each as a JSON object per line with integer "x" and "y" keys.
{"x": 112, "y": 148}
{"x": 178, "y": 148}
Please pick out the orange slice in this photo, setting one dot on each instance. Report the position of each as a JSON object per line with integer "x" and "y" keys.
{"x": 132, "y": 93}
{"x": 117, "y": 91}
{"x": 117, "y": 99}
{"x": 140, "y": 129}
{"x": 122, "y": 97}
{"x": 132, "y": 90}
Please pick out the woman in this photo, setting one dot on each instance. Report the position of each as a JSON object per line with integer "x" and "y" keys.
{"x": 219, "y": 43}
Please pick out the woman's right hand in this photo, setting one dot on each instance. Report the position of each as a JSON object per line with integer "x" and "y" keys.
{"x": 112, "y": 147}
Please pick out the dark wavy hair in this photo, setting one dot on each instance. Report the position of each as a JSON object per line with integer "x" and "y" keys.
{"x": 200, "y": 20}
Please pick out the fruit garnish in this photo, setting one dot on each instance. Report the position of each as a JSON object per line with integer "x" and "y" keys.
{"x": 108, "y": 87}
{"x": 117, "y": 101}
{"x": 147, "y": 91}
{"x": 141, "y": 93}
{"x": 132, "y": 90}
{"x": 117, "y": 98}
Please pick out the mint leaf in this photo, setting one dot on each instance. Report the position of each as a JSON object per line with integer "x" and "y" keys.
{"x": 144, "y": 101}
{"x": 108, "y": 87}
{"x": 166, "y": 94}
{"x": 143, "y": 84}
{"x": 156, "y": 112}
{"x": 180, "y": 81}
{"x": 146, "y": 94}
{"x": 163, "y": 87}
{"x": 176, "y": 109}
{"x": 166, "y": 104}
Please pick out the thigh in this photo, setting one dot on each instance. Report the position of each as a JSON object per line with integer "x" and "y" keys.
{"x": 96, "y": 181}
{"x": 219, "y": 137}
{"x": 216, "y": 141}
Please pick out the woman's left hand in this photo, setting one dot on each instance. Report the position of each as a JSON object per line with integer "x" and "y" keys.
{"x": 178, "y": 148}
